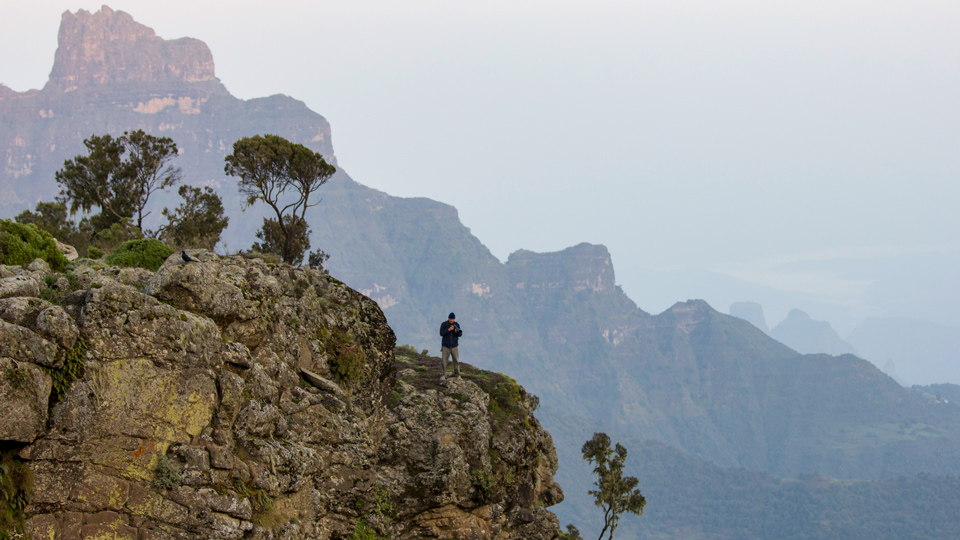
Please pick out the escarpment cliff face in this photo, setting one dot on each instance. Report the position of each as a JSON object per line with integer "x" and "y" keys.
{"x": 112, "y": 74}
{"x": 110, "y": 47}
{"x": 233, "y": 398}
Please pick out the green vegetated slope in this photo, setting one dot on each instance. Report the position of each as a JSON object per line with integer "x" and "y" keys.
{"x": 697, "y": 499}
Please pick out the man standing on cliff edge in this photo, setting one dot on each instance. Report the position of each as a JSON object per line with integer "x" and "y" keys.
{"x": 451, "y": 332}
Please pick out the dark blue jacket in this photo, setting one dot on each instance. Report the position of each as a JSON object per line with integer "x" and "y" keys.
{"x": 450, "y": 339}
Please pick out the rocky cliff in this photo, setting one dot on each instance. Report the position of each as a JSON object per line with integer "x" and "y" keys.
{"x": 109, "y": 47}
{"x": 234, "y": 398}
{"x": 112, "y": 74}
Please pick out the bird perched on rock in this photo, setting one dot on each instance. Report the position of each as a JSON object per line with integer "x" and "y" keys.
{"x": 186, "y": 258}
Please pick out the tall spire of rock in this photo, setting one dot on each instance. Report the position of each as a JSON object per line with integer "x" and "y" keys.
{"x": 110, "y": 47}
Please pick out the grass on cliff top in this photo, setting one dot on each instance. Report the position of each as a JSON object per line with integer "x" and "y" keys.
{"x": 506, "y": 396}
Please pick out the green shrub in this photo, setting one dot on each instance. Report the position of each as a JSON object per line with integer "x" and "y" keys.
{"x": 484, "y": 483}
{"x": 147, "y": 253}
{"x": 56, "y": 296}
{"x": 362, "y": 531}
{"x": 109, "y": 239}
{"x": 16, "y": 486}
{"x": 94, "y": 252}
{"x": 166, "y": 474}
{"x": 347, "y": 359}
{"x": 21, "y": 243}
{"x": 383, "y": 504}
{"x": 74, "y": 365}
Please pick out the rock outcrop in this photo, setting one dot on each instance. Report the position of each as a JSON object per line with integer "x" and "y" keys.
{"x": 578, "y": 268}
{"x": 109, "y": 47}
{"x": 234, "y": 398}
{"x": 111, "y": 74}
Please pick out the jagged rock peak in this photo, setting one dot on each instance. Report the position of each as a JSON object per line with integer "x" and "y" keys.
{"x": 581, "y": 267}
{"x": 110, "y": 47}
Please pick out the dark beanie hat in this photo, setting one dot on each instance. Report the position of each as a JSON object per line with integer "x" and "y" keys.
{"x": 452, "y": 315}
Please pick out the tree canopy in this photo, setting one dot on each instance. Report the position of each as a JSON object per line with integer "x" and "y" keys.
{"x": 283, "y": 175}
{"x": 614, "y": 494}
{"x": 197, "y": 222}
{"x": 118, "y": 175}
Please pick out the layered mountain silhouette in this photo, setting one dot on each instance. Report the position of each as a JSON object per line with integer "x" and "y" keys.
{"x": 808, "y": 336}
{"x": 696, "y": 391}
{"x": 751, "y": 312}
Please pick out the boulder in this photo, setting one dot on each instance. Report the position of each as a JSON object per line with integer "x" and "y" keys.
{"x": 55, "y": 324}
{"x": 19, "y": 286}
{"x": 22, "y": 310}
{"x": 212, "y": 289}
{"x": 68, "y": 251}
{"x": 24, "y": 393}
{"x": 39, "y": 266}
{"x": 25, "y": 345}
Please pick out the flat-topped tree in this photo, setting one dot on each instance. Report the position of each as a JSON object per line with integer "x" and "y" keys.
{"x": 118, "y": 175}
{"x": 283, "y": 175}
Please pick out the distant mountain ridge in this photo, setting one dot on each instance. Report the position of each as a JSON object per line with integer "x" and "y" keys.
{"x": 808, "y": 336}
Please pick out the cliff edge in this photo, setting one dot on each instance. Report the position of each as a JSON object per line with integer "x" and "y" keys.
{"x": 234, "y": 398}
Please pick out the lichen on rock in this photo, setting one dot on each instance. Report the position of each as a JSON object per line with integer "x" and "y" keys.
{"x": 235, "y": 398}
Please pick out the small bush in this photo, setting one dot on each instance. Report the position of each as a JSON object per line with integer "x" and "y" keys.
{"x": 74, "y": 365}
{"x": 407, "y": 349}
{"x": 483, "y": 482}
{"x": 362, "y": 531}
{"x": 347, "y": 359}
{"x": 572, "y": 533}
{"x": 94, "y": 252}
{"x": 166, "y": 474}
{"x": 147, "y": 253}
{"x": 16, "y": 487}
{"x": 383, "y": 504}
{"x": 21, "y": 243}
{"x": 114, "y": 236}
{"x": 56, "y": 296}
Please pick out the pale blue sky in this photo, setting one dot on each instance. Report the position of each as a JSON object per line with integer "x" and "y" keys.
{"x": 779, "y": 143}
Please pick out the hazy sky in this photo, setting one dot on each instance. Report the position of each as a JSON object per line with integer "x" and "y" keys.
{"x": 801, "y": 147}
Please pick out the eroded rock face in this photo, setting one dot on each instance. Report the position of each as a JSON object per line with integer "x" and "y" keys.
{"x": 233, "y": 398}
{"x": 24, "y": 391}
{"x": 110, "y": 47}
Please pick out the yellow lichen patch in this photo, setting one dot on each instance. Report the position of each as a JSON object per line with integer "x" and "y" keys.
{"x": 158, "y": 404}
{"x": 154, "y": 406}
{"x": 42, "y": 527}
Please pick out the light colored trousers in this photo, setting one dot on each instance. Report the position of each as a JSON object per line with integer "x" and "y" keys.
{"x": 447, "y": 352}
